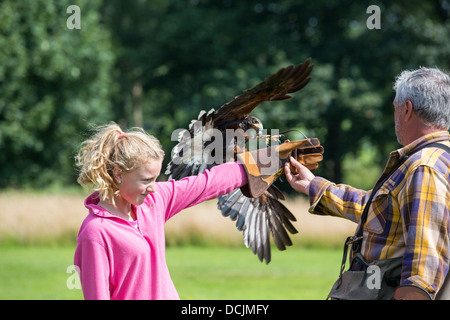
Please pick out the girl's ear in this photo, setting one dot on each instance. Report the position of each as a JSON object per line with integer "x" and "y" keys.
{"x": 117, "y": 173}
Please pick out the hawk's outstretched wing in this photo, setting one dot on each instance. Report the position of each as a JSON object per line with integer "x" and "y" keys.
{"x": 276, "y": 87}
{"x": 261, "y": 217}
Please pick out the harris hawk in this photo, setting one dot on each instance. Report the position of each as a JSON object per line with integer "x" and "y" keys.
{"x": 197, "y": 150}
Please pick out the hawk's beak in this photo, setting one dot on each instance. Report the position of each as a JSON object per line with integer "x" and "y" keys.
{"x": 259, "y": 128}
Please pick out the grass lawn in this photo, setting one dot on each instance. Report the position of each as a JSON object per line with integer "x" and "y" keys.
{"x": 236, "y": 274}
{"x": 36, "y": 272}
{"x": 40, "y": 272}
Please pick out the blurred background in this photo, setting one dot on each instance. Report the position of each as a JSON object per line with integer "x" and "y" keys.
{"x": 156, "y": 63}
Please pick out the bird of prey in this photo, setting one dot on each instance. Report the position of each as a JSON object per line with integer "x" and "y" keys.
{"x": 260, "y": 217}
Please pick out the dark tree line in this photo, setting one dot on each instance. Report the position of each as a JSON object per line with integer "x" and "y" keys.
{"x": 157, "y": 63}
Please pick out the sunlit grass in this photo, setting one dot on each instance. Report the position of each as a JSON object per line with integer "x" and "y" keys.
{"x": 40, "y": 272}
{"x": 236, "y": 274}
{"x": 36, "y": 272}
{"x": 205, "y": 252}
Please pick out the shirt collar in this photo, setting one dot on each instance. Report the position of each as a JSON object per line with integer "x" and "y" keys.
{"x": 424, "y": 140}
{"x": 398, "y": 154}
{"x": 91, "y": 203}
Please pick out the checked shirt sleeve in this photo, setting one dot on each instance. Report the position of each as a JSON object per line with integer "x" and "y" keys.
{"x": 327, "y": 198}
{"x": 425, "y": 214}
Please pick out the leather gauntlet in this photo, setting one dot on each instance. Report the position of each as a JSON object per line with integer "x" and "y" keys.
{"x": 264, "y": 166}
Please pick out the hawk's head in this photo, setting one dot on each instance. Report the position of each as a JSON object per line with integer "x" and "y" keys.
{"x": 254, "y": 123}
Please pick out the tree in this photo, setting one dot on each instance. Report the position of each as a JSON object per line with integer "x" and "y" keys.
{"x": 53, "y": 82}
{"x": 157, "y": 63}
{"x": 356, "y": 66}
{"x": 193, "y": 55}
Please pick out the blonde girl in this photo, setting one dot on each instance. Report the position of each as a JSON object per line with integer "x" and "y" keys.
{"x": 121, "y": 244}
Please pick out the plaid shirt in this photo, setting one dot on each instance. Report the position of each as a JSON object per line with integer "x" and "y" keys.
{"x": 409, "y": 215}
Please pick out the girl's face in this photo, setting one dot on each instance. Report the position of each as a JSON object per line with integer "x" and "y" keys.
{"x": 137, "y": 184}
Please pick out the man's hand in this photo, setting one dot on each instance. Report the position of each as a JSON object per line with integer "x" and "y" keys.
{"x": 411, "y": 293}
{"x": 299, "y": 182}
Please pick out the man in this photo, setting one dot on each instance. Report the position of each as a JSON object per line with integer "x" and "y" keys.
{"x": 409, "y": 215}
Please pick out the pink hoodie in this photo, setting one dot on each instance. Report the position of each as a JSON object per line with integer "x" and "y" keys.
{"x": 119, "y": 261}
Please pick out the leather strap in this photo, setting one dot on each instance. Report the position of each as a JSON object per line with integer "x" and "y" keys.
{"x": 356, "y": 240}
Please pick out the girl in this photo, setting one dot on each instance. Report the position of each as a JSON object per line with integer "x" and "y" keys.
{"x": 121, "y": 246}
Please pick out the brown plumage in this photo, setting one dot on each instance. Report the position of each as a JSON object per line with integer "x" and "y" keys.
{"x": 261, "y": 217}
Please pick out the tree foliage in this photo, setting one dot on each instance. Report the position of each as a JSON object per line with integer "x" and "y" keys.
{"x": 53, "y": 81}
{"x": 157, "y": 63}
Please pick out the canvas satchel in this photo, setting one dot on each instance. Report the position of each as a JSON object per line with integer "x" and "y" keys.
{"x": 376, "y": 281}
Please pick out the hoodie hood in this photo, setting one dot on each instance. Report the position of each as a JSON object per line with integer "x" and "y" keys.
{"x": 91, "y": 203}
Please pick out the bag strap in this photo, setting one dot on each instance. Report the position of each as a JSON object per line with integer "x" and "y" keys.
{"x": 356, "y": 240}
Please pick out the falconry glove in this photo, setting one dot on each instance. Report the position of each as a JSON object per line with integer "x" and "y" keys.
{"x": 264, "y": 166}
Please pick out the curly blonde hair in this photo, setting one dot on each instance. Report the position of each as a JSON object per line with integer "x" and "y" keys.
{"x": 109, "y": 147}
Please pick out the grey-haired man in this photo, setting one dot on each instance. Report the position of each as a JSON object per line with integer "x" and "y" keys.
{"x": 408, "y": 216}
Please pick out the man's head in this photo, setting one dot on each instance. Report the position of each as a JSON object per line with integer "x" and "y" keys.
{"x": 422, "y": 103}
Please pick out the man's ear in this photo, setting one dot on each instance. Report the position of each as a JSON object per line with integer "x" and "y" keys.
{"x": 408, "y": 110}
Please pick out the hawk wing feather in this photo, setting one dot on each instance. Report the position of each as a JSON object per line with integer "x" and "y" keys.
{"x": 258, "y": 218}
{"x": 188, "y": 156}
{"x": 262, "y": 217}
{"x": 275, "y": 87}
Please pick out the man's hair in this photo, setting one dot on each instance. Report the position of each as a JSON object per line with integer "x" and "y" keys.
{"x": 428, "y": 89}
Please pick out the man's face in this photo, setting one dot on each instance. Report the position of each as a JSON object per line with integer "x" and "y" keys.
{"x": 398, "y": 122}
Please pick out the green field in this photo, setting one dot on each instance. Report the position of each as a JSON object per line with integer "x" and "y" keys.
{"x": 40, "y": 272}
{"x": 205, "y": 253}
